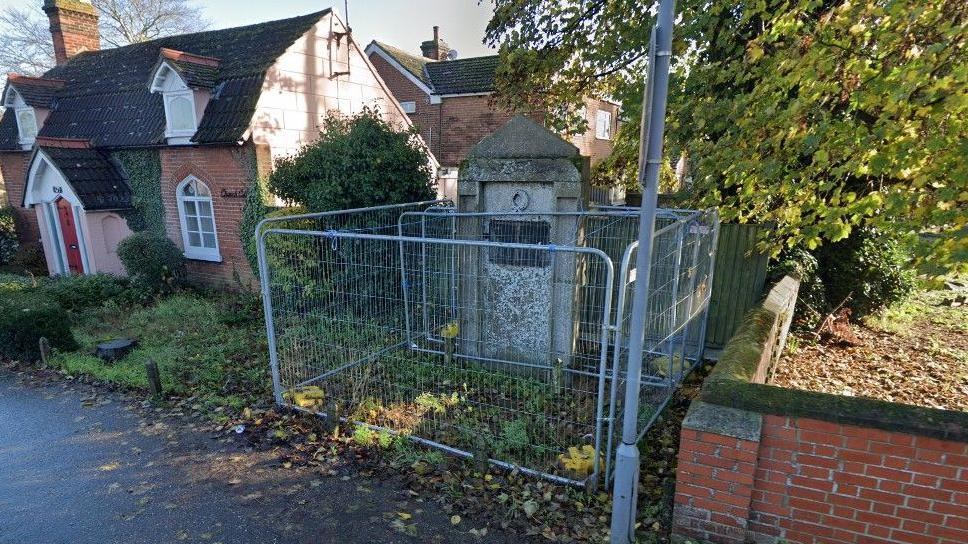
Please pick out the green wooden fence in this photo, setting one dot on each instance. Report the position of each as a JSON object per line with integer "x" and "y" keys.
{"x": 738, "y": 280}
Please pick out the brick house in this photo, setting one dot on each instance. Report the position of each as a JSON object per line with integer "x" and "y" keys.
{"x": 169, "y": 134}
{"x": 451, "y": 103}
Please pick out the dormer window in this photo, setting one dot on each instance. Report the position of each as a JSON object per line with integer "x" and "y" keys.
{"x": 25, "y": 115}
{"x": 185, "y": 82}
{"x": 181, "y": 121}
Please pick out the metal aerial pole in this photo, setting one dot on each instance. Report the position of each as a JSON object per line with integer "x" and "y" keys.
{"x": 650, "y": 159}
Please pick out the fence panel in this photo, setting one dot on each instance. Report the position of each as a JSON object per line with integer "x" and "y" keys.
{"x": 740, "y": 277}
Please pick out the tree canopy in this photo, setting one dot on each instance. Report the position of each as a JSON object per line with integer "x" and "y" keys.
{"x": 817, "y": 116}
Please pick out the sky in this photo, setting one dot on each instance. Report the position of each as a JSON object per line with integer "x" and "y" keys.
{"x": 403, "y": 23}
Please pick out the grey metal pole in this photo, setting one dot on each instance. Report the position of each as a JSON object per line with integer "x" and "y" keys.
{"x": 650, "y": 158}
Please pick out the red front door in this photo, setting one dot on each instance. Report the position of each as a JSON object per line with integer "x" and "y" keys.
{"x": 66, "y": 215}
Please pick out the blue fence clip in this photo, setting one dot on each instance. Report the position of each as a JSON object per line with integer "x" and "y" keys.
{"x": 551, "y": 248}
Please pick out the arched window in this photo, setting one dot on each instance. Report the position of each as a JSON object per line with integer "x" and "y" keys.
{"x": 197, "y": 220}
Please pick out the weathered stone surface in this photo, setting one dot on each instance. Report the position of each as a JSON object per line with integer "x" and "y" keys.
{"x": 725, "y": 421}
{"x": 522, "y": 138}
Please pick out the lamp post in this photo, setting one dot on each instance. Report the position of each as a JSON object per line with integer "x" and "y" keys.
{"x": 654, "y": 102}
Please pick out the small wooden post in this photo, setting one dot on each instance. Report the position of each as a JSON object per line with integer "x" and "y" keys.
{"x": 44, "y": 346}
{"x": 154, "y": 378}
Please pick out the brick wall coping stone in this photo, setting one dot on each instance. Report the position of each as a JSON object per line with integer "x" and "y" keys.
{"x": 741, "y": 424}
{"x": 736, "y": 382}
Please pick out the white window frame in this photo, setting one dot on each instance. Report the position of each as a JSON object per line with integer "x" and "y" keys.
{"x": 172, "y": 89}
{"x": 196, "y": 252}
{"x": 14, "y": 101}
{"x": 183, "y": 133}
{"x": 603, "y": 125}
{"x": 26, "y": 141}
{"x": 409, "y": 106}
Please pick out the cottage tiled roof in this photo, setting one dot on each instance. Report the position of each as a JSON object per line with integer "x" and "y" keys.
{"x": 8, "y": 130}
{"x": 37, "y": 92}
{"x": 460, "y": 76}
{"x": 95, "y": 177}
{"x": 105, "y": 98}
{"x": 197, "y": 71}
{"x": 412, "y": 63}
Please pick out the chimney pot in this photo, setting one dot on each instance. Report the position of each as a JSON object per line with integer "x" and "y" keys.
{"x": 436, "y": 48}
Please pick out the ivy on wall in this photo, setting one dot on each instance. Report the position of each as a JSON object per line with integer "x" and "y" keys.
{"x": 143, "y": 167}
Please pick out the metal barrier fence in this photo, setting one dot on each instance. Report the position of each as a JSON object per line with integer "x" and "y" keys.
{"x": 491, "y": 335}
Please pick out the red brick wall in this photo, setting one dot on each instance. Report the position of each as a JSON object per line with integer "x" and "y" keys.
{"x": 809, "y": 481}
{"x": 73, "y": 31}
{"x": 466, "y": 120}
{"x": 588, "y": 143}
{"x": 427, "y": 117}
{"x": 13, "y": 171}
{"x": 222, "y": 169}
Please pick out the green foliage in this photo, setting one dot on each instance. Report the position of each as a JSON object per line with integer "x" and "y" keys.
{"x": 254, "y": 209}
{"x": 9, "y": 242}
{"x": 84, "y": 291}
{"x": 27, "y": 315}
{"x": 211, "y": 346}
{"x": 153, "y": 261}
{"x": 357, "y": 161}
{"x": 870, "y": 268}
{"x": 30, "y": 259}
{"x": 143, "y": 167}
{"x": 812, "y": 305}
{"x": 126, "y": 375}
{"x": 818, "y": 117}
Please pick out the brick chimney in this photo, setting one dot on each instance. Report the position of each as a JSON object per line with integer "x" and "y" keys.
{"x": 73, "y": 26}
{"x": 436, "y": 49}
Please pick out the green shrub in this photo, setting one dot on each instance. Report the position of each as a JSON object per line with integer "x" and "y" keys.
{"x": 26, "y": 315}
{"x": 85, "y": 291}
{"x": 870, "y": 267}
{"x": 30, "y": 259}
{"x": 9, "y": 242}
{"x": 152, "y": 261}
{"x": 254, "y": 209}
{"x": 357, "y": 161}
{"x": 812, "y": 303}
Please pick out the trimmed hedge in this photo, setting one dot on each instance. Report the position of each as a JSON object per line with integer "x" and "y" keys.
{"x": 731, "y": 384}
{"x": 153, "y": 261}
{"x": 25, "y": 317}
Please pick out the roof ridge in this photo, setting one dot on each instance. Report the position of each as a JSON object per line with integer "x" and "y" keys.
{"x": 156, "y": 41}
{"x": 185, "y": 56}
{"x": 49, "y": 81}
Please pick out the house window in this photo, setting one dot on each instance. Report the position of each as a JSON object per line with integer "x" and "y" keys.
{"x": 180, "y": 113}
{"x": 197, "y": 220}
{"x": 409, "y": 107}
{"x": 603, "y": 125}
{"x": 519, "y": 232}
{"x": 27, "y": 125}
{"x": 181, "y": 120}
{"x": 25, "y": 116}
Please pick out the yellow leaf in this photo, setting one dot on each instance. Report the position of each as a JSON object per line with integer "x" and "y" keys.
{"x": 404, "y": 515}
